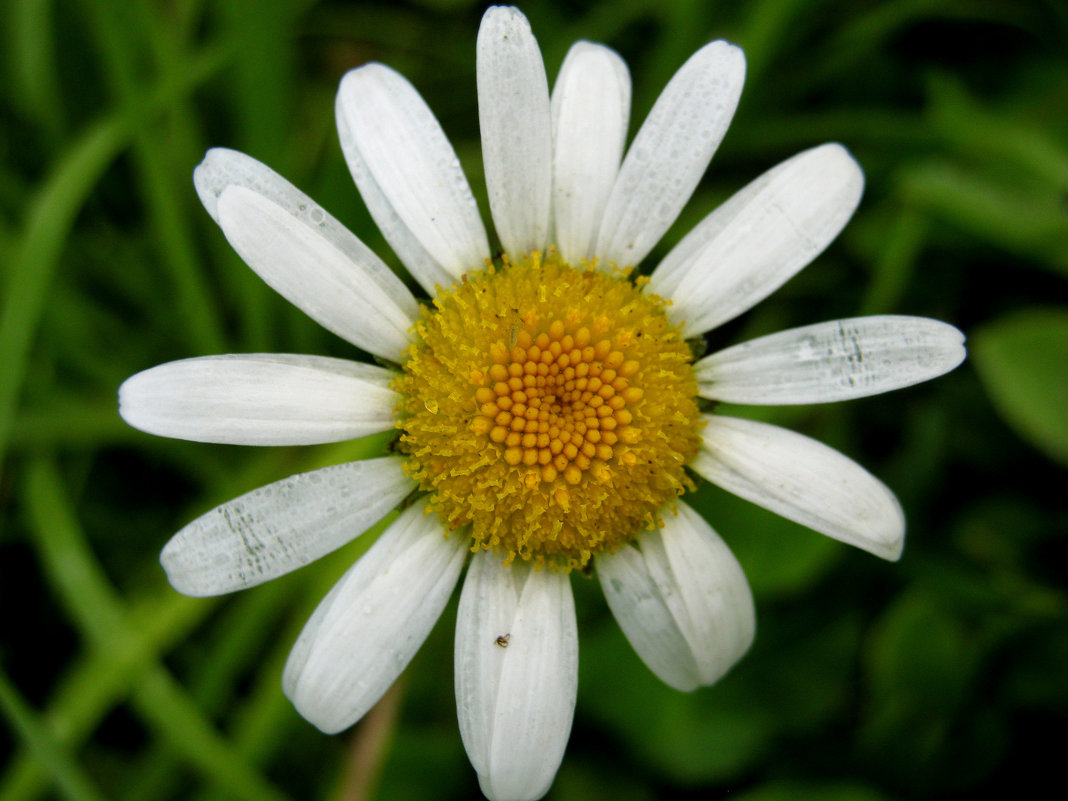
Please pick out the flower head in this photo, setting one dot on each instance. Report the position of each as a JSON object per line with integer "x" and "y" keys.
{"x": 583, "y": 418}
{"x": 547, "y": 401}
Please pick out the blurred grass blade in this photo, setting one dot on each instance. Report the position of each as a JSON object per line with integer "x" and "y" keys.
{"x": 68, "y": 775}
{"x": 72, "y": 421}
{"x": 100, "y": 681}
{"x": 872, "y": 29}
{"x": 36, "y": 256}
{"x": 244, "y": 627}
{"x": 894, "y": 260}
{"x": 31, "y": 54}
{"x": 117, "y": 38}
{"x": 51, "y": 216}
{"x": 767, "y": 25}
{"x": 95, "y": 608}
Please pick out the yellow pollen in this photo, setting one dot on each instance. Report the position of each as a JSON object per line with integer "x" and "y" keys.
{"x": 550, "y": 408}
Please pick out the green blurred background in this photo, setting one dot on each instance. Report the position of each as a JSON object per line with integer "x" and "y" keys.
{"x": 926, "y": 679}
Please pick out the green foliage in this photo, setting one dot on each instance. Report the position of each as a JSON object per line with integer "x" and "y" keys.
{"x": 1022, "y": 358}
{"x": 934, "y": 678}
{"x": 795, "y": 791}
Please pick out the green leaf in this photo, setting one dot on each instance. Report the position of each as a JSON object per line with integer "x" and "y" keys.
{"x": 921, "y": 666}
{"x": 993, "y": 136}
{"x": 712, "y": 734}
{"x": 1017, "y": 213}
{"x": 799, "y": 791}
{"x": 1022, "y": 360}
{"x": 716, "y": 734}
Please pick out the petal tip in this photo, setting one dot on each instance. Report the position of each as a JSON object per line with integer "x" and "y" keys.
{"x": 510, "y": 13}
{"x": 175, "y": 560}
{"x": 211, "y": 176}
{"x": 320, "y": 715}
{"x": 170, "y": 560}
{"x": 891, "y": 552}
{"x": 839, "y": 160}
{"x": 372, "y": 69}
{"x": 500, "y": 22}
{"x": 729, "y": 54}
{"x": 132, "y": 409}
{"x": 956, "y": 351}
{"x": 889, "y": 544}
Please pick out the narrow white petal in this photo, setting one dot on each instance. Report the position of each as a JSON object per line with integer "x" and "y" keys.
{"x": 516, "y": 675}
{"x": 306, "y": 256}
{"x": 832, "y": 361}
{"x": 671, "y": 152}
{"x": 222, "y": 168}
{"x": 682, "y": 600}
{"x": 260, "y": 399}
{"x": 590, "y": 110}
{"x": 423, "y": 267}
{"x": 713, "y": 604}
{"x": 372, "y": 622}
{"x": 487, "y": 609}
{"x": 802, "y": 480}
{"x": 409, "y": 175}
{"x": 639, "y": 606}
{"x": 759, "y": 239}
{"x": 536, "y": 694}
{"x": 516, "y": 126}
{"x": 285, "y": 525}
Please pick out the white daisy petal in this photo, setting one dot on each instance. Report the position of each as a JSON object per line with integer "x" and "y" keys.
{"x": 640, "y": 608}
{"x": 682, "y": 600}
{"x": 760, "y": 238}
{"x": 222, "y": 168}
{"x": 371, "y": 623}
{"x": 671, "y": 152}
{"x": 423, "y": 267}
{"x": 305, "y": 255}
{"x": 516, "y": 126}
{"x": 488, "y": 604}
{"x": 832, "y": 361}
{"x": 590, "y": 111}
{"x": 285, "y": 525}
{"x": 260, "y": 399}
{"x": 802, "y": 480}
{"x": 516, "y": 675}
{"x": 416, "y": 189}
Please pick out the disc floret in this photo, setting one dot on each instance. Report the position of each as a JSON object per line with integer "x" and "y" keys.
{"x": 550, "y": 407}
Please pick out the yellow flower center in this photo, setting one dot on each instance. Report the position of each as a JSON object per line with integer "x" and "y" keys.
{"x": 551, "y": 408}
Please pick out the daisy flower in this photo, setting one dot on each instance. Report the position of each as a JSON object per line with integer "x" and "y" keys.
{"x": 547, "y": 401}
